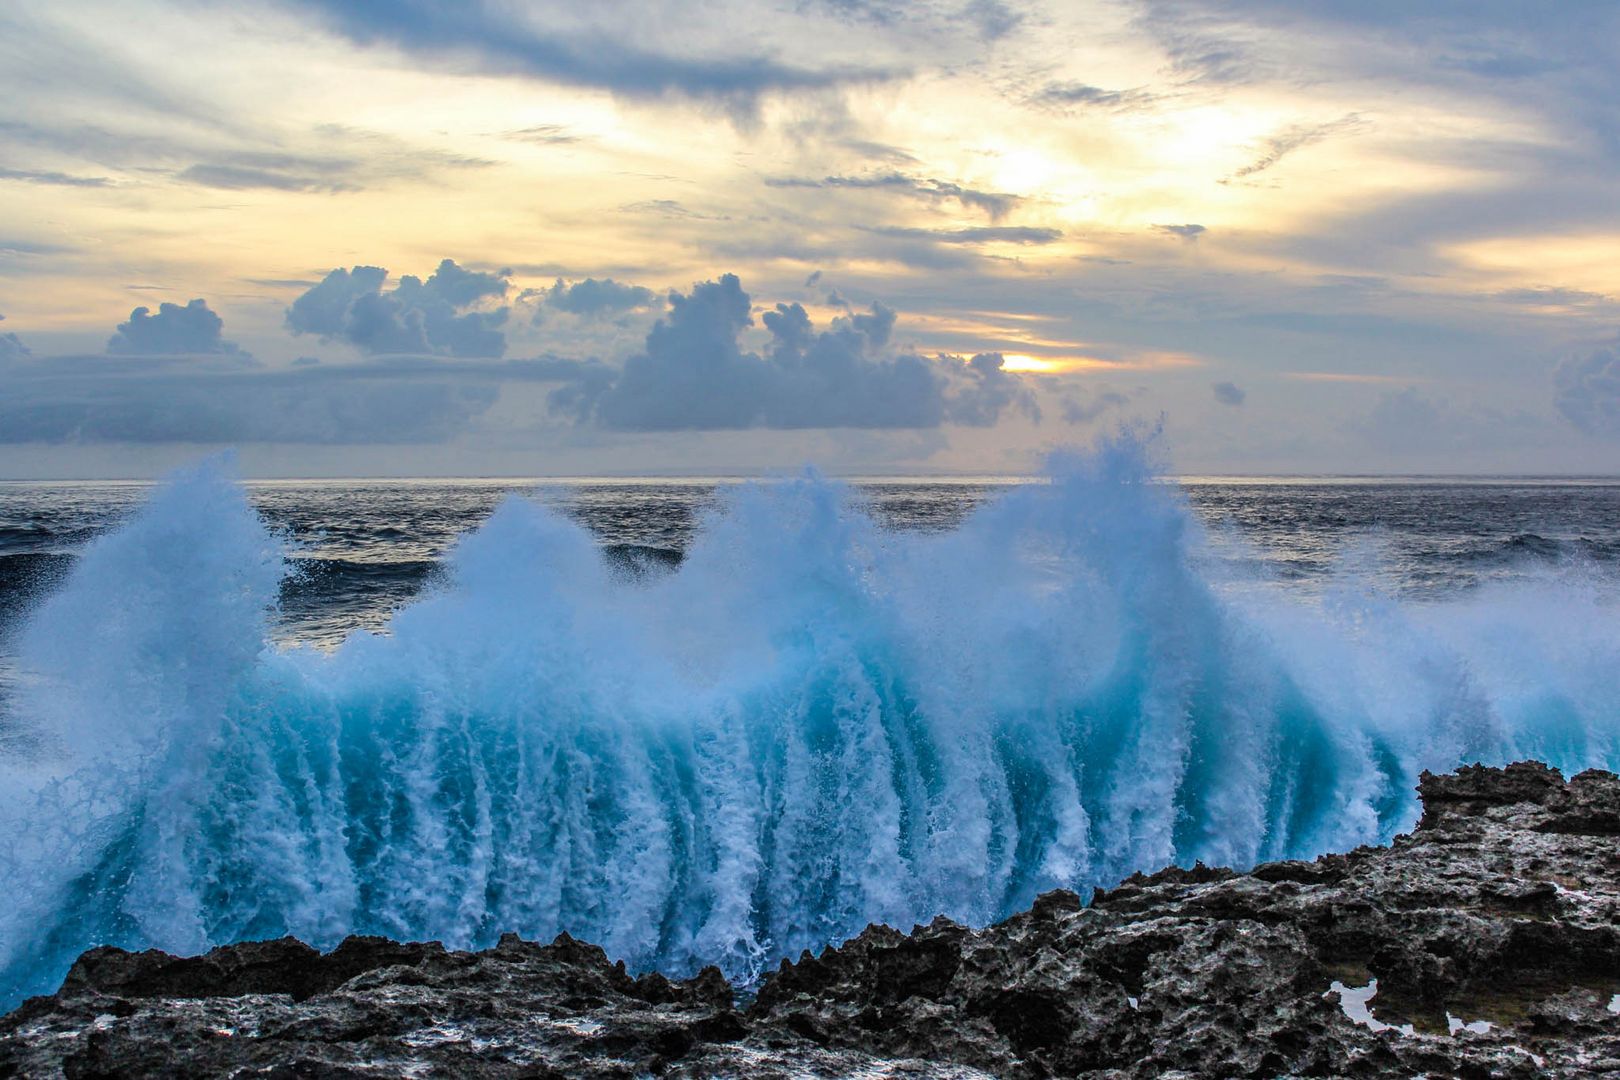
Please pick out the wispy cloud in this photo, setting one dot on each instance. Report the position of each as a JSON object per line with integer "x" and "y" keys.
{"x": 995, "y": 204}
{"x": 1297, "y": 138}
{"x": 1066, "y": 95}
{"x": 54, "y": 179}
{"x": 1188, "y": 232}
{"x": 240, "y": 178}
{"x": 998, "y": 234}
{"x": 1369, "y": 378}
{"x": 481, "y": 36}
{"x": 1549, "y": 296}
{"x": 544, "y": 135}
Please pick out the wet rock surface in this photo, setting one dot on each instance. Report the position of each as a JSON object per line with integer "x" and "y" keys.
{"x": 1502, "y": 907}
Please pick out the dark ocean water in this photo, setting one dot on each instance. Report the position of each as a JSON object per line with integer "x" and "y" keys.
{"x": 715, "y": 722}
{"x": 361, "y": 548}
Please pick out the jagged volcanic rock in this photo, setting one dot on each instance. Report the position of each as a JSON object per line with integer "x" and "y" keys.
{"x": 1503, "y": 907}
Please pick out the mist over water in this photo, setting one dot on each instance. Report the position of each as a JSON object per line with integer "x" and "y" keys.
{"x": 809, "y": 723}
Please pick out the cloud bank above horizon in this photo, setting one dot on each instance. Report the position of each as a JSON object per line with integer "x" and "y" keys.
{"x": 433, "y": 237}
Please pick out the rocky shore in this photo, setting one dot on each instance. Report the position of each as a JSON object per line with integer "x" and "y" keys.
{"x": 1488, "y": 941}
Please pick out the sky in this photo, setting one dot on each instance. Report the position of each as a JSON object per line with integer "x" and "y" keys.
{"x": 494, "y": 237}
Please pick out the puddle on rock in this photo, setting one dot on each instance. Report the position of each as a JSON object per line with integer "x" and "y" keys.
{"x": 1455, "y": 1024}
{"x": 1355, "y": 1001}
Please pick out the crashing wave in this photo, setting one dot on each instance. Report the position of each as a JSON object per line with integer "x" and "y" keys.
{"x": 808, "y": 724}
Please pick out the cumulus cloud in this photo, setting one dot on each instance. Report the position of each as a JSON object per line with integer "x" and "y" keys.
{"x": 452, "y": 313}
{"x": 593, "y": 297}
{"x": 1587, "y": 391}
{"x": 695, "y": 374}
{"x": 192, "y": 330}
{"x": 1229, "y": 393}
{"x": 704, "y": 366}
{"x": 986, "y": 389}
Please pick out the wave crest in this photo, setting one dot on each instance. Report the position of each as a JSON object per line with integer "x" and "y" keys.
{"x": 807, "y": 724}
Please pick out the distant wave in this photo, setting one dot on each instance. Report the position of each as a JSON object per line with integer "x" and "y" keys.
{"x": 807, "y": 724}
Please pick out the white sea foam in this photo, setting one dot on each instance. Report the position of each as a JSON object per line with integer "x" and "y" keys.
{"x": 811, "y": 724}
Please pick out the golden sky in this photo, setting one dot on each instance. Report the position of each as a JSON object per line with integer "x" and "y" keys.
{"x": 1313, "y": 237}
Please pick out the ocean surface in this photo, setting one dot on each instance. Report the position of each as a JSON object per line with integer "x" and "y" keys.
{"x": 723, "y": 722}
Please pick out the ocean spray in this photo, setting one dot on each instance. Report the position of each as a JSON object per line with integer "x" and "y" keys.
{"x": 810, "y": 724}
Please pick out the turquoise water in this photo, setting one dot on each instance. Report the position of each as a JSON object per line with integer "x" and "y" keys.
{"x": 808, "y": 723}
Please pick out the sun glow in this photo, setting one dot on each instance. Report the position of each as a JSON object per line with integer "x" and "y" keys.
{"x": 1040, "y": 365}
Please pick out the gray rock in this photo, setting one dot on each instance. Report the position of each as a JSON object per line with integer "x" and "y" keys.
{"x": 1503, "y": 906}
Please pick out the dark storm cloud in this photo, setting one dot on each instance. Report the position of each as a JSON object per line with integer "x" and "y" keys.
{"x": 414, "y": 317}
{"x": 694, "y": 373}
{"x": 473, "y": 34}
{"x": 1229, "y": 393}
{"x": 192, "y": 330}
{"x": 996, "y": 204}
{"x": 593, "y": 297}
{"x": 1587, "y": 391}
